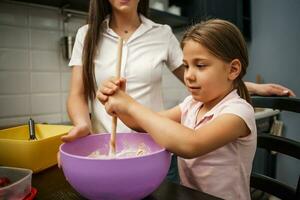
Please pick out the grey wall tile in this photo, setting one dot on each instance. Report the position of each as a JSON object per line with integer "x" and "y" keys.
{"x": 64, "y": 102}
{"x": 12, "y": 14}
{"x": 45, "y": 40}
{"x": 14, "y": 82}
{"x": 65, "y": 80}
{"x": 14, "y": 59}
{"x": 51, "y": 119}
{"x": 31, "y": 62}
{"x": 13, "y": 121}
{"x": 45, "y": 60}
{"x": 45, "y": 18}
{"x": 13, "y": 37}
{"x": 44, "y": 82}
{"x": 14, "y": 105}
{"x": 45, "y": 104}
{"x": 74, "y": 24}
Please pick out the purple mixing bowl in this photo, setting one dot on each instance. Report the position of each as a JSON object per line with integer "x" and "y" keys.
{"x": 119, "y": 178}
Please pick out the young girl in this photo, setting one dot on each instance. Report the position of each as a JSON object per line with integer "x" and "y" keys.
{"x": 148, "y": 48}
{"x": 216, "y": 139}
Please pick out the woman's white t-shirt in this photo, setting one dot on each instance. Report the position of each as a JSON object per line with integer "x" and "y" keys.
{"x": 150, "y": 48}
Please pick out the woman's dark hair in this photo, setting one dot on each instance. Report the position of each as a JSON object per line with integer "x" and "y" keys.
{"x": 98, "y": 11}
{"x": 224, "y": 40}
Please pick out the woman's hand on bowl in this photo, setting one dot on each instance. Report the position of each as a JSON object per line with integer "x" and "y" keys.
{"x": 75, "y": 133}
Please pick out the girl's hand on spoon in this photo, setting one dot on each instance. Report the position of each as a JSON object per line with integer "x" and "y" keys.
{"x": 109, "y": 87}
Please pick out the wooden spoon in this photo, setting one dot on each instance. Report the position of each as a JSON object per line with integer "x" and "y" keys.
{"x": 114, "y": 119}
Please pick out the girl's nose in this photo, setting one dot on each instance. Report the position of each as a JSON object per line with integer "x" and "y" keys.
{"x": 189, "y": 74}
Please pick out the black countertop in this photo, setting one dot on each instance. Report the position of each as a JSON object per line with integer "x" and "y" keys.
{"x": 51, "y": 184}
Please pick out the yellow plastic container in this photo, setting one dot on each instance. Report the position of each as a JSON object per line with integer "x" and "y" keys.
{"x": 16, "y": 150}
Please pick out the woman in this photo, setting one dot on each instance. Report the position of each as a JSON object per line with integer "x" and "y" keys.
{"x": 147, "y": 48}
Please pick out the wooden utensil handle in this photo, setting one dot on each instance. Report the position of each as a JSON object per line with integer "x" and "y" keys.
{"x": 114, "y": 119}
{"x": 119, "y": 61}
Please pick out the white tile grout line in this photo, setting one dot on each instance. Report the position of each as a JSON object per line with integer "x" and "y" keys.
{"x": 30, "y": 61}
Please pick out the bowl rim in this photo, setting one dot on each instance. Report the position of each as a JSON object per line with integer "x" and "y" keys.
{"x": 29, "y": 171}
{"x": 116, "y": 158}
{"x": 28, "y": 141}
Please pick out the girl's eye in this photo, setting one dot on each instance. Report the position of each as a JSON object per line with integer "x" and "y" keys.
{"x": 185, "y": 66}
{"x": 201, "y": 65}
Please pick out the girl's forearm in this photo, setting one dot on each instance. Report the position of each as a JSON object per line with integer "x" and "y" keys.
{"x": 128, "y": 121}
{"x": 167, "y": 133}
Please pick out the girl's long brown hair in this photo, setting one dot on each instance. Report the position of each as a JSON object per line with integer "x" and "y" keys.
{"x": 224, "y": 40}
{"x": 98, "y": 11}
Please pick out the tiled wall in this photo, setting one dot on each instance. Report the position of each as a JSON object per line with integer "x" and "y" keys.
{"x": 34, "y": 76}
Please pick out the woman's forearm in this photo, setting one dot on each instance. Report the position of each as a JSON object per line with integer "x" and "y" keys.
{"x": 78, "y": 111}
{"x": 251, "y": 87}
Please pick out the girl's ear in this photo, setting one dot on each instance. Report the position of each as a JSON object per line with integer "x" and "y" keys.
{"x": 235, "y": 69}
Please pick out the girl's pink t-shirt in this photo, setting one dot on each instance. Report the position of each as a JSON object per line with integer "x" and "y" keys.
{"x": 225, "y": 172}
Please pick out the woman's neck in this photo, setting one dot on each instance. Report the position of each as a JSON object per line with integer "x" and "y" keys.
{"x": 124, "y": 23}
